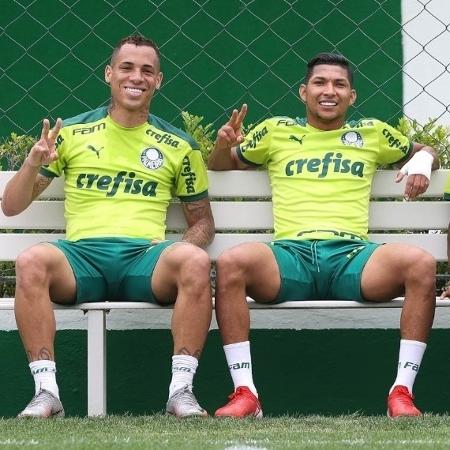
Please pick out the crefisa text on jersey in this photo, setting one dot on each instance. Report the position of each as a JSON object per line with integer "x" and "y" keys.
{"x": 189, "y": 175}
{"x": 330, "y": 162}
{"x": 127, "y": 181}
{"x": 164, "y": 138}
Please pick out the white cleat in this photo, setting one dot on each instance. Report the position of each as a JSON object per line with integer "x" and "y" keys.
{"x": 44, "y": 405}
{"x": 184, "y": 404}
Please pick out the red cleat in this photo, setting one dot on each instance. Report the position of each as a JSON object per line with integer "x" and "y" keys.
{"x": 400, "y": 403}
{"x": 243, "y": 403}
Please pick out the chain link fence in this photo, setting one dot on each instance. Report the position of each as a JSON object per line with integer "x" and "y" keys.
{"x": 218, "y": 54}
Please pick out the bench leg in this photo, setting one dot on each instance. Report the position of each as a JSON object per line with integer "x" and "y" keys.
{"x": 96, "y": 362}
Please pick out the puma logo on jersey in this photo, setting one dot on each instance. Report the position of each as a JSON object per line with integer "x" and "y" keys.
{"x": 295, "y": 138}
{"x": 97, "y": 152}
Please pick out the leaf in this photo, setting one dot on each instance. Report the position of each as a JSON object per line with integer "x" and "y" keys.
{"x": 14, "y": 149}
{"x": 430, "y": 133}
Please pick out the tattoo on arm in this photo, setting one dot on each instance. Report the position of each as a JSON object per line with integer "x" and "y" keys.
{"x": 200, "y": 222}
{"x": 40, "y": 185}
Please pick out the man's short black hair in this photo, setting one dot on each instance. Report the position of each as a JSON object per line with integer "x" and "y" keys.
{"x": 138, "y": 40}
{"x": 334, "y": 59}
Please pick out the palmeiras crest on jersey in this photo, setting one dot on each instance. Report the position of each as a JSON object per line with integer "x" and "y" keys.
{"x": 152, "y": 158}
{"x": 352, "y": 138}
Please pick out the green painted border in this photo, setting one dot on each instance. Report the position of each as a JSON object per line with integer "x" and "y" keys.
{"x": 327, "y": 372}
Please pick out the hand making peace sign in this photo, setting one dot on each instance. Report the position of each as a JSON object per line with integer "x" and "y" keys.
{"x": 43, "y": 151}
{"x": 230, "y": 134}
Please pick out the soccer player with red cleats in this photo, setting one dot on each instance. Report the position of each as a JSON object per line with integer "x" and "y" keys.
{"x": 243, "y": 403}
{"x": 308, "y": 257}
{"x": 401, "y": 403}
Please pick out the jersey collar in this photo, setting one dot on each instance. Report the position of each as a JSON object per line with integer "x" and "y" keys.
{"x": 302, "y": 121}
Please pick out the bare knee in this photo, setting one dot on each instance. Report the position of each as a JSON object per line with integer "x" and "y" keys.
{"x": 195, "y": 268}
{"x": 186, "y": 267}
{"x": 31, "y": 270}
{"x": 183, "y": 271}
{"x": 422, "y": 269}
{"x": 230, "y": 267}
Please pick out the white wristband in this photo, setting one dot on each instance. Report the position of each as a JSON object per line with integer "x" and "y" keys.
{"x": 419, "y": 164}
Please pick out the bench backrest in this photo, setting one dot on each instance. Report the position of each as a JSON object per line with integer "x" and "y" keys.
{"x": 242, "y": 210}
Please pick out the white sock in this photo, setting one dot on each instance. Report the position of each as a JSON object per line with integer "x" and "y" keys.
{"x": 409, "y": 360}
{"x": 239, "y": 362}
{"x": 44, "y": 374}
{"x": 183, "y": 371}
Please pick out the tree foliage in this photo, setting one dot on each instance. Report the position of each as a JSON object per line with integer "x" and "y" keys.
{"x": 14, "y": 148}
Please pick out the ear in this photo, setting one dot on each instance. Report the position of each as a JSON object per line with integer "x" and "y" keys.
{"x": 108, "y": 71}
{"x": 159, "y": 80}
{"x": 352, "y": 97}
{"x": 302, "y": 92}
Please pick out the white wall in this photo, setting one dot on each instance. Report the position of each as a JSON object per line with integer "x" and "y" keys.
{"x": 299, "y": 319}
{"x": 426, "y": 46}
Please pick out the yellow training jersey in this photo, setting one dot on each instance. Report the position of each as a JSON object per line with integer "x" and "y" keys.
{"x": 119, "y": 181}
{"x": 321, "y": 180}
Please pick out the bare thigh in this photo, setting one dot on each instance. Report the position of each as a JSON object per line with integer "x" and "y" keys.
{"x": 46, "y": 266}
{"x": 390, "y": 265}
{"x": 255, "y": 265}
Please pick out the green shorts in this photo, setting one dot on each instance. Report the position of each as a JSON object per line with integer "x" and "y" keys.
{"x": 321, "y": 269}
{"x": 112, "y": 269}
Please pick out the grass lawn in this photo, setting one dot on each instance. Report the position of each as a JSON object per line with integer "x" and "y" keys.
{"x": 162, "y": 432}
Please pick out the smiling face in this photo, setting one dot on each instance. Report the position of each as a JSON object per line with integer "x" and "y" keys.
{"x": 134, "y": 76}
{"x": 327, "y": 95}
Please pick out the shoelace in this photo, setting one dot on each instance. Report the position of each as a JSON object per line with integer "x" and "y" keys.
{"x": 405, "y": 399}
{"x": 35, "y": 400}
{"x": 188, "y": 397}
{"x": 238, "y": 393}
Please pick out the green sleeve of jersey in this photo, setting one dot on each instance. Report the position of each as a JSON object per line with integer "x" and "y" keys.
{"x": 254, "y": 151}
{"x": 394, "y": 146}
{"x": 56, "y": 168}
{"x": 192, "y": 180}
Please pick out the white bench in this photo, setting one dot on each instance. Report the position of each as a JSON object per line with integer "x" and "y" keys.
{"x": 242, "y": 210}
